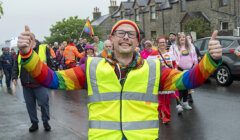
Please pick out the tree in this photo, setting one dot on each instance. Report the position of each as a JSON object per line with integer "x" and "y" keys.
{"x": 1, "y": 9}
{"x": 198, "y": 25}
{"x": 67, "y": 29}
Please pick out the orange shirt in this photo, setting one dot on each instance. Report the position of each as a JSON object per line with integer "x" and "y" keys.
{"x": 70, "y": 53}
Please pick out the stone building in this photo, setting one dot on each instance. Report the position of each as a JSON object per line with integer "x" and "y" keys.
{"x": 157, "y": 17}
{"x": 104, "y": 23}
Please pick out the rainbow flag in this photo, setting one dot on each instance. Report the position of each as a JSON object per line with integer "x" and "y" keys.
{"x": 88, "y": 28}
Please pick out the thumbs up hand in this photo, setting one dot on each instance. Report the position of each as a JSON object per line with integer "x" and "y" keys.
{"x": 214, "y": 47}
{"x": 26, "y": 41}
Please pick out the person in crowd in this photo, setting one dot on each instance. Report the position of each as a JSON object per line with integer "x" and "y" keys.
{"x": 122, "y": 90}
{"x": 107, "y": 49}
{"x": 89, "y": 52}
{"x": 7, "y": 64}
{"x": 59, "y": 56}
{"x": 186, "y": 59}
{"x": 98, "y": 44}
{"x": 80, "y": 46}
{"x": 34, "y": 92}
{"x": 190, "y": 40}
{"x": 55, "y": 47}
{"x": 70, "y": 54}
{"x": 142, "y": 45}
{"x": 164, "y": 97}
{"x": 172, "y": 40}
{"x": 52, "y": 53}
{"x": 199, "y": 57}
{"x": 148, "y": 50}
{"x": 13, "y": 53}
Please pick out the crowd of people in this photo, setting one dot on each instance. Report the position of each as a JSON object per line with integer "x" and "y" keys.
{"x": 134, "y": 79}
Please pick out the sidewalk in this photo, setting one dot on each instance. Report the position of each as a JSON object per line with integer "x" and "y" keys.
{"x": 14, "y": 122}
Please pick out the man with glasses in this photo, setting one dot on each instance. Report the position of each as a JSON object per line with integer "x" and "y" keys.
{"x": 122, "y": 89}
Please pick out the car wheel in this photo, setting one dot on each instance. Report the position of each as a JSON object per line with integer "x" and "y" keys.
{"x": 223, "y": 76}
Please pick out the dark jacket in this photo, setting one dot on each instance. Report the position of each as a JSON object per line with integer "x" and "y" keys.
{"x": 6, "y": 61}
{"x": 25, "y": 77}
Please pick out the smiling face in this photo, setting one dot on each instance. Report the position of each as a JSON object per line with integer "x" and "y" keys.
{"x": 124, "y": 45}
{"x": 182, "y": 39}
{"x": 90, "y": 52}
{"x": 162, "y": 44}
{"x": 148, "y": 46}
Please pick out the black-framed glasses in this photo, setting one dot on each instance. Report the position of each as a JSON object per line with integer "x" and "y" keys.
{"x": 122, "y": 33}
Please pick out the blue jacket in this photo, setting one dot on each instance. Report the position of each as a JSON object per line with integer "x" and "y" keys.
{"x": 6, "y": 60}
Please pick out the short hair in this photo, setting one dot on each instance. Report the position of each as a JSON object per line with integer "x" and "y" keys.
{"x": 172, "y": 34}
{"x": 162, "y": 37}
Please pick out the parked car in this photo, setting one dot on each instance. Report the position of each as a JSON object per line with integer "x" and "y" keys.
{"x": 230, "y": 67}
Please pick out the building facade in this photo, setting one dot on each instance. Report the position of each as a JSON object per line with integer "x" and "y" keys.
{"x": 158, "y": 17}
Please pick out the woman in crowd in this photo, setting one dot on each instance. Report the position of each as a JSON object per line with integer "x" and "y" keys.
{"x": 89, "y": 52}
{"x": 186, "y": 58}
{"x": 164, "y": 97}
{"x": 148, "y": 50}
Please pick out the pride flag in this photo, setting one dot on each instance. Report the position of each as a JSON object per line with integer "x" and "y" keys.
{"x": 88, "y": 28}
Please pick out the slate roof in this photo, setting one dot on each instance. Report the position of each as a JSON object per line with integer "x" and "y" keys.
{"x": 100, "y": 20}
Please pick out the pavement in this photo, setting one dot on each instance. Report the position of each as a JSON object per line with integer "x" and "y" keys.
{"x": 14, "y": 121}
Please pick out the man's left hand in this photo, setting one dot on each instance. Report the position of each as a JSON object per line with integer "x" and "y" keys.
{"x": 214, "y": 47}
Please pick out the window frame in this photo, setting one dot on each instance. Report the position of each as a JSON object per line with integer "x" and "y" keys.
{"x": 153, "y": 14}
{"x": 137, "y": 17}
{"x": 223, "y": 3}
{"x": 222, "y": 25}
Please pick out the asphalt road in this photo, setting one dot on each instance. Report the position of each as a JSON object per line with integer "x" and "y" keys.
{"x": 215, "y": 114}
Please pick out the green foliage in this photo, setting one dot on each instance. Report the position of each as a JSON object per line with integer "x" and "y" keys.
{"x": 198, "y": 25}
{"x": 67, "y": 29}
{"x": 1, "y": 9}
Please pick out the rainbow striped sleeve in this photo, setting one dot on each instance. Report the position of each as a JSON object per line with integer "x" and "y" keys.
{"x": 176, "y": 80}
{"x": 70, "y": 79}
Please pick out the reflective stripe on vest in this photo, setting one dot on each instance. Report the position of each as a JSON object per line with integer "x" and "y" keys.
{"x": 139, "y": 108}
{"x": 41, "y": 53}
{"x": 126, "y": 125}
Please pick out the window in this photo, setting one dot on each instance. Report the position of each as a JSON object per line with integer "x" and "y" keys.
{"x": 122, "y": 14}
{"x": 205, "y": 48}
{"x": 153, "y": 34}
{"x": 183, "y": 5}
{"x": 136, "y": 14}
{"x": 198, "y": 44}
{"x": 153, "y": 12}
{"x": 224, "y": 25}
{"x": 223, "y": 3}
{"x": 225, "y": 43}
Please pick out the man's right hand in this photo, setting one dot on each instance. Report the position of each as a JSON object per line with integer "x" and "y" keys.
{"x": 26, "y": 41}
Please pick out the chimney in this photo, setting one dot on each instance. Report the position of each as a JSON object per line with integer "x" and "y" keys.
{"x": 113, "y": 6}
{"x": 96, "y": 13}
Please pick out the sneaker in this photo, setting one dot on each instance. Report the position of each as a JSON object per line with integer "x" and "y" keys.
{"x": 179, "y": 109}
{"x": 46, "y": 126}
{"x": 186, "y": 106}
{"x": 34, "y": 127}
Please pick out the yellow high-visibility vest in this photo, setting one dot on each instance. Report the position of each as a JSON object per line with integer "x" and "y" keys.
{"x": 116, "y": 110}
{"x": 41, "y": 53}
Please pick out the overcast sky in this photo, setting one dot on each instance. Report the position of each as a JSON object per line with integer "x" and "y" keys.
{"x": 41, "y": 14}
